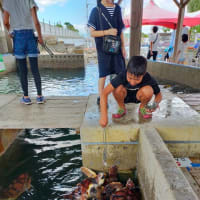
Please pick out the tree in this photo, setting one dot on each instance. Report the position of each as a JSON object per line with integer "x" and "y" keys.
{"x": 144, "y": 35}
{"x": 59, "y": 25}
{"x": 165, "y": 30}
{"x": 194, "y": 5}
{"x": 70, "y": 27}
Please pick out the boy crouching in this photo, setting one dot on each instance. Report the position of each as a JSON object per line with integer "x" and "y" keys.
{"x": 134, "y": 85}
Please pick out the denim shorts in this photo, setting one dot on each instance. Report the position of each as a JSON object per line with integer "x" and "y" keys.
{"x": 25, "y": 44}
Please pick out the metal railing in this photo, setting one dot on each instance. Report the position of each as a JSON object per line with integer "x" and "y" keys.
{"x": 48, "y": 29}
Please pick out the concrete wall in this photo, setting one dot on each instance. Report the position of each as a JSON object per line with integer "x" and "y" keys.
{"x": 10, "y": 64}
{"x": 7, "y": 136}
{"x": 159, "y": 176}
{"x": 3, "y": 44}
{"x": 45, "y": 61}
{"x": 62, "y": 61}
{"x": 186, "y": 75}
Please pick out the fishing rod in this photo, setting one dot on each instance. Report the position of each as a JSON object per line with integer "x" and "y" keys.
{"x": 43, "y": 45}
{"x": 48, "y": 50}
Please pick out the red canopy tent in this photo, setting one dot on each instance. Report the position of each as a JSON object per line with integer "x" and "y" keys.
{"x": 191, "y": 21}
{"x": 154, "y": 15}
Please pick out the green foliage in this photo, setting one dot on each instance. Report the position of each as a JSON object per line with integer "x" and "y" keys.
{"x": 70, "y": 27}
{"x": 194, "y": 5}
{"x": 165, "y": 30}
{"x": 145, "y": 35}
{"x": 59, "y": 25}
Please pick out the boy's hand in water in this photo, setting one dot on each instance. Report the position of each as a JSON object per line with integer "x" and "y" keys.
{"x": 103, "y": 121}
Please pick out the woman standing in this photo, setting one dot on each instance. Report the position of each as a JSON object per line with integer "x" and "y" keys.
{"x": 105, "y": 14}
{"x": 20, "y": 19}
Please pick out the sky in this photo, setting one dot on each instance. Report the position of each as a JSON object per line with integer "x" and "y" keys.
{"x": 74, "y": 11}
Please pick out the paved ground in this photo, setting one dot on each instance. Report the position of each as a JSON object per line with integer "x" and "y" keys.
{"x": 57, "y": 112}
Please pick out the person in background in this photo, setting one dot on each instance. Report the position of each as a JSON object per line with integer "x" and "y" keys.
{"x": 154, "y": 41}
{"x": 181, "y": 54}
{"x": 108, "y": 64}
{"x": 20, "y": 16}
{"x": 134, "y": 85}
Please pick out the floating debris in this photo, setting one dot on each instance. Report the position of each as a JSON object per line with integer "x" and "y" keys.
{"x": 104, "y": 186}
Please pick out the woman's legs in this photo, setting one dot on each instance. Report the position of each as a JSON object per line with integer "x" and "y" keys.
{"x": 155, "y": 53}
{"x": 149, "y": 55}
{"x": 23, "y": 72}
{"x": 35, "y": 71}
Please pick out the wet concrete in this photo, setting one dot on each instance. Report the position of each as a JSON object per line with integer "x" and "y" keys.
{"x": 177, "y": 123}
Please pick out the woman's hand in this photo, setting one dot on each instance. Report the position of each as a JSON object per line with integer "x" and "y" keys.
{"x": 111, "y": 31}
{"x": 40, "y": 40}
{"x": 123, "y": 51}
{"x": 103, "y": 121}
{"x": 10, "y": 35}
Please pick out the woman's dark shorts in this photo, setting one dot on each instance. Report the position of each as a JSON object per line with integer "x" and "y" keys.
{"x": 131, "y": 97}
{"x": 110, "y": 64}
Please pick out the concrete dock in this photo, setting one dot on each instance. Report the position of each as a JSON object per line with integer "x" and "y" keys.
{"x": 148, "y": 145}
{"x": 176, "y": 122}
{"x": 132, "y": 142}
{"x": 57, "y": 112}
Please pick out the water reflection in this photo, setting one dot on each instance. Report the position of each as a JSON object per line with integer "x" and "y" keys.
{"x": 49, "y": 158}
{"x": 56, "y": 82}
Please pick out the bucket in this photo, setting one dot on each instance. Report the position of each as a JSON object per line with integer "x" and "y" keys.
{"x": 2, "y": 65}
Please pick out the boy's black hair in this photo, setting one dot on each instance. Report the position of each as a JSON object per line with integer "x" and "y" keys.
{"x": 155, "y": 29}
{"x": 184, "y": 37}
{"x": 137, "y": 65}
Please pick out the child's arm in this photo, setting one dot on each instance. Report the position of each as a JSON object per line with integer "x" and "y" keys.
{"x": 156, "y": 102}
{"x": 122, "y": 45}
{"x": 6, "y": 17}
{"x": 177, "y": 56}
{"x": 111, "y": 31}
{"x": 158, "y": 98}
{"x": 103, "y": 105}
{"x": 37, "y": 24}
{"x": 151, "y": 48}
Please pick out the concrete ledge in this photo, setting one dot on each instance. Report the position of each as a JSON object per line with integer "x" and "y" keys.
{"x": 10, "y": 64}
{"x": 118, "y": 141}
{"x": 7, "y": 137}
{"x": 177, "y": 123}
{"x": 57, "y": 112}
{"x": 159, "y": 176}
{"x": 186, "y": 75}
{"x": 62, "y": 61}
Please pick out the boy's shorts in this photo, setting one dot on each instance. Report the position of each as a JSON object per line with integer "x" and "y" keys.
{"x": 131, "y": 97}
{"x": 25, "y": 44}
